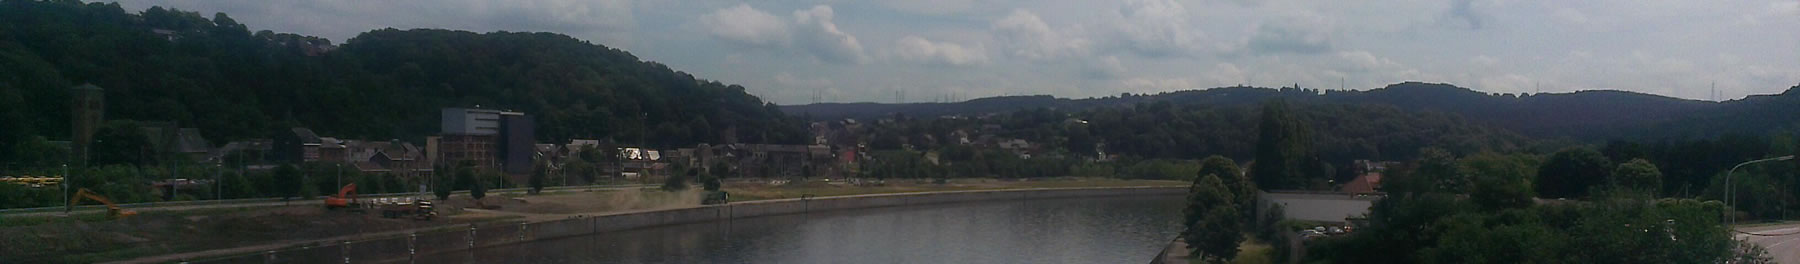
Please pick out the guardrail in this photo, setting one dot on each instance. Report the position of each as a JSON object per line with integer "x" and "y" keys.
{"x": 272, "y": 200}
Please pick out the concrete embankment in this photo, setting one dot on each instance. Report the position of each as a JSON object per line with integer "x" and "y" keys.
{"x": 404, "y": 247}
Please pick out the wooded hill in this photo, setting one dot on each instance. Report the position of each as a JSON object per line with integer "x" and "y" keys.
{"x": 1585, "y": 115}
{"x": 216, "y": 75}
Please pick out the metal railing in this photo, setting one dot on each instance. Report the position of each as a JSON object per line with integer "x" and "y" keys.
{"x": 254, "y": 201}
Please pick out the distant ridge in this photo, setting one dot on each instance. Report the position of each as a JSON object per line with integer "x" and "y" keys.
{"x": 1594, "y": 114}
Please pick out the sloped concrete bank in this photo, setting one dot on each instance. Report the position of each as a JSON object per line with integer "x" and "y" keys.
{"x": 403, "y": 248}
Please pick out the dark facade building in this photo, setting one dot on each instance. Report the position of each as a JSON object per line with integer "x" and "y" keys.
{"x": 297, "y": 144}
{"x": 517, "y": 143}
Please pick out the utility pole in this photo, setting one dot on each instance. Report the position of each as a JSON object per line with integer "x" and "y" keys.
{"x": 340, "y": 175}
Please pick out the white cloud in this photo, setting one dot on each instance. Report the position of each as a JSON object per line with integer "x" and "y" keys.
{"x": 1225, "y": 74}
{"x": 1155, "y": 85}
{"x": 1483, "y": 60}
{"x": 1105, "y": 67}
{"x": 811, "y": 32}
{"x": 1357, "y": 61}
{"x": 822, "y": 37}
{"x": 1298, "y": 35}
{"x": 746, "y": 25}
{"x": 1156, "y": 28}
{"x": 917, "y": 49}
{"x": 1025, "y": 35}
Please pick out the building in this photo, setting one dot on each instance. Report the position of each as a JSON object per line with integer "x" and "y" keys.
{"x": 389, "y": 157}
{"x": 171, "y": 141}
{"x": 490, "y": 139}
{"x": 297, "y": 144}
{"x": 87, "y": 110}
{"x": 517, "y": 143}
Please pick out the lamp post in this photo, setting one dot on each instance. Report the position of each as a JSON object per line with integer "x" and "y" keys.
{"x": 1731, "y": 192}
{"x": 218, "y": 186}
{"x": 65, "y": 186}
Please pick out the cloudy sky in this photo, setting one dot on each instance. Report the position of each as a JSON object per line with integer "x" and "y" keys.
{"x": 793, "y": 51}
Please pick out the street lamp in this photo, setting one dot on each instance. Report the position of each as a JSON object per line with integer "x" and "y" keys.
{"x": 1730, "y": 192}
{"x": 65, "y": 186}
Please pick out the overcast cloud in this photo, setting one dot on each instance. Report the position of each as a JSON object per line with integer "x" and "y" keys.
{"x": 788, "y": 51}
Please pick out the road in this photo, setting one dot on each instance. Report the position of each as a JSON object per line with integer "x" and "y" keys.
{"x": 1784, "y": 249}
{"x": 195, "y": 205}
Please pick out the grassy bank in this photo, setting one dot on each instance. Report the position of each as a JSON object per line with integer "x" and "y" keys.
{"x": 751, "y": 191}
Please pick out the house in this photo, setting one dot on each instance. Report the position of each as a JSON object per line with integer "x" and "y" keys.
{"x": 1363, "y": 184}
{"x": 246, "y": 147}
{"x": 297, "y": 144}
{"x": 166, "y": 138}
{"x": 390, "y": 157}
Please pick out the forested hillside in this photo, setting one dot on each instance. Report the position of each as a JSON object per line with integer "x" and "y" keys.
{"x": 1587, "y": 115}
{"x": 216, "y": 75}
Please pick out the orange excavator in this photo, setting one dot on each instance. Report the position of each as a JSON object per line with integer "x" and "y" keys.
{"x": 345, "y": 198}
{"x": 112, "y": 210}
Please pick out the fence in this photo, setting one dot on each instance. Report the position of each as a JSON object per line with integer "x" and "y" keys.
{"x": 253, "y": 202}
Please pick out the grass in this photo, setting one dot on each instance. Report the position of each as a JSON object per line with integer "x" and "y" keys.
{"x": 1252, "y": 251}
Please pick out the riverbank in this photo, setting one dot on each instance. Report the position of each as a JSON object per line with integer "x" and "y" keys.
{"x": 1249, "y": 252}
{"x": 532, "y": 217}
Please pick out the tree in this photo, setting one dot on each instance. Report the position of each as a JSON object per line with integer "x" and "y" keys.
{"x": 675, "y": 182}
{"x": 538, "y": 173}
{"x": 477, "y": 187}
{"x": 442, "y": 182}
{"x": 120, "y": 142}
{"x": 287, "y": 181}
{"x": 1214, "y": 227}
{"x": 1637, "y": 175}
{"x": 1435, "y": 171}
{"x": 1571, "y": 172}
{"x": 1242, "y": 189}
{"x": 707, "y": 181}
{"x": 1499, "y": 181}
{"x": 1284, "y": 154}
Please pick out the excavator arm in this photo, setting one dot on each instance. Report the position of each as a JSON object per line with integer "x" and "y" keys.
{"x": 346, "y": 197}
{"x": 112, "y": 210}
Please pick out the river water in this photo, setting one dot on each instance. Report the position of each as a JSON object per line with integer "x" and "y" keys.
{"x": 1070, "y": 230}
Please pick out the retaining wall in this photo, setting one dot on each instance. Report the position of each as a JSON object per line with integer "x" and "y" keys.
{"x": 406, "y": 247}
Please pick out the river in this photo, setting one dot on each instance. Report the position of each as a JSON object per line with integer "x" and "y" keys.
{"x": 1070, "y": 230}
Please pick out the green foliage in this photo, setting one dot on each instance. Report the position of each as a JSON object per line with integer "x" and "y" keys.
{"x": 1213, "y": 224}
{"x": 1500, "y": 181}
{"x": 538, "y": 174}
{"x": 216, "y": 75}
{"x": 1438, "y": 228}
{"x": 1637, "y": 174}
{"x": 1161, "y": 169}
{"x": 1093, "y": 169}
{"x": 675, "y": 182}
{"x": 1284, "y": 152}
{"x": 287, "y": 181}
{"x": 1242, "y": 189}
{"x": 443, "y": 183}
{"x": 1571, "y": 172}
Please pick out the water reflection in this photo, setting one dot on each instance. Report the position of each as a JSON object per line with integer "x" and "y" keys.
{"x": 1079, "y": 230}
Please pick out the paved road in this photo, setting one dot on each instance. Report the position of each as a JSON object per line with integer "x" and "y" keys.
{"x": 1784, "y": 249}
{"x": 208, "y": 205}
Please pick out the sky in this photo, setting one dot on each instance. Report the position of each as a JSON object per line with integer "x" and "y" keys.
{"x": 805, "y": 51}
